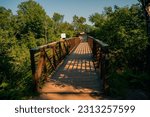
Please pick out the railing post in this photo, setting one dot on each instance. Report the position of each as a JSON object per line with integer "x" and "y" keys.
{"x": 44, "y": 63}
{"x": 67, "y": 47}
{"x": 94, "y": 49}
{"x": 32, "y": 59}
{"x": 60, "y": 50}
{"x": 103, "y": 70}
{"x": 54, "y": 59}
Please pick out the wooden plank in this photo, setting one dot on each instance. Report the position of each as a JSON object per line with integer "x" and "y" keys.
{"x": 76, "y": 74}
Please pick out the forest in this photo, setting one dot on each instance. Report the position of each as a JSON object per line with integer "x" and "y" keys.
{"x": 122, "y": 28}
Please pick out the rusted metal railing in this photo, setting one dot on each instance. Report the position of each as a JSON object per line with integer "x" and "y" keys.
{"x": 46, "y": 58}
{"x": 99, "y": 51}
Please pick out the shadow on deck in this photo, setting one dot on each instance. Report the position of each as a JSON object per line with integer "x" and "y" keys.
{"x": 75, "y": 78}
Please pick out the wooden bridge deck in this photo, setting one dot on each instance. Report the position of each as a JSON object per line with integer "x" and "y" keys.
{"x": 75, "y": 78}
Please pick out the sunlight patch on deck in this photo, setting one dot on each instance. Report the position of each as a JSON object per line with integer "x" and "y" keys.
{"x": 76, "y": 78}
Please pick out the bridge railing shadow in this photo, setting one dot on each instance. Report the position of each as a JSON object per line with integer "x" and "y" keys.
{"x": 100, "y": 52}
{"x": 78, "y": 70}
{"x": 45, "y": 59}
{"x": 76, "y": 75}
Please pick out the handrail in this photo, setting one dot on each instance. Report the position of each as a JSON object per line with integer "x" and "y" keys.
{"x": 99, "y": 51}
{"x": 45, "y": 59}
{"x": 101, "y": 43}
{"x": 49, "y": 44}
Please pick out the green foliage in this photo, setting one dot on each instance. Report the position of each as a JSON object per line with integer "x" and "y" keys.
{"x": 29, "y": 40}
{"x": 15, "y": 74}
{"x": 18, "y": 34}
{"x": 122, "y": 83}
{"x": 118, "y": 85}
{"x": 31, "y": 27}
{"x": 97, "y": 19}
{"x": 5, "y": 16}
{"x": 123, "y": 29}
{"x": 40, "y": 41}
{"x": 79, "y": 24}
{"x": 67, "y": 28}
{"x": 31, "y": 17}
{"x": 58, "y": 18}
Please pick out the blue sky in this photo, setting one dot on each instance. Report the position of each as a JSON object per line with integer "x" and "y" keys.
{"x": 69, "y": 8}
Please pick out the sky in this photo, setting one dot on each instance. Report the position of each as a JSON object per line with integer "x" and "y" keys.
{"x": 69, "y": 8}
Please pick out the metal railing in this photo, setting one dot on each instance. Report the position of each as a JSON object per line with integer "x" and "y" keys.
{"x": 99, "y": 52}
{"x": 46, "y": 58}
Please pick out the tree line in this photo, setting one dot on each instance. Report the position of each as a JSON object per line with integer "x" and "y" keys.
{"x": 28, "y": 28}
{"x": 123, "y": 28}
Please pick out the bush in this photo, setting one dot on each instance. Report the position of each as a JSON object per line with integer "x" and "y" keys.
{"x": 122, "y": 83}
{"x": 15, "y": 74}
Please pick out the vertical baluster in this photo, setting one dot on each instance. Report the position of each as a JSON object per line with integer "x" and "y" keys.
{"x": 45, "y": 65}
{"x": 59, "y": 51}
{"x": 66, "y": 47}
{"x": 32, "y": 59}
{"x": 39, "y": 69}
{"x": 54, "y": 58}
{"x": 103, "y": 67}
{"x": 94, "y": 49}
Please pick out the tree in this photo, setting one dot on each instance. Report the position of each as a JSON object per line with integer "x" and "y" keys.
{"x": 5, "y": 16}
{"x": 123, "y": 30}
{"x": 108, "y": 10}
{"x": 31, "y": 18}
{"x": 58, "y": 18}
{"x": 67, "y": 28}
{"x": 31, "y": 27}
{"x": 79, "y": 24}
{"x": 97, "y": 19}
